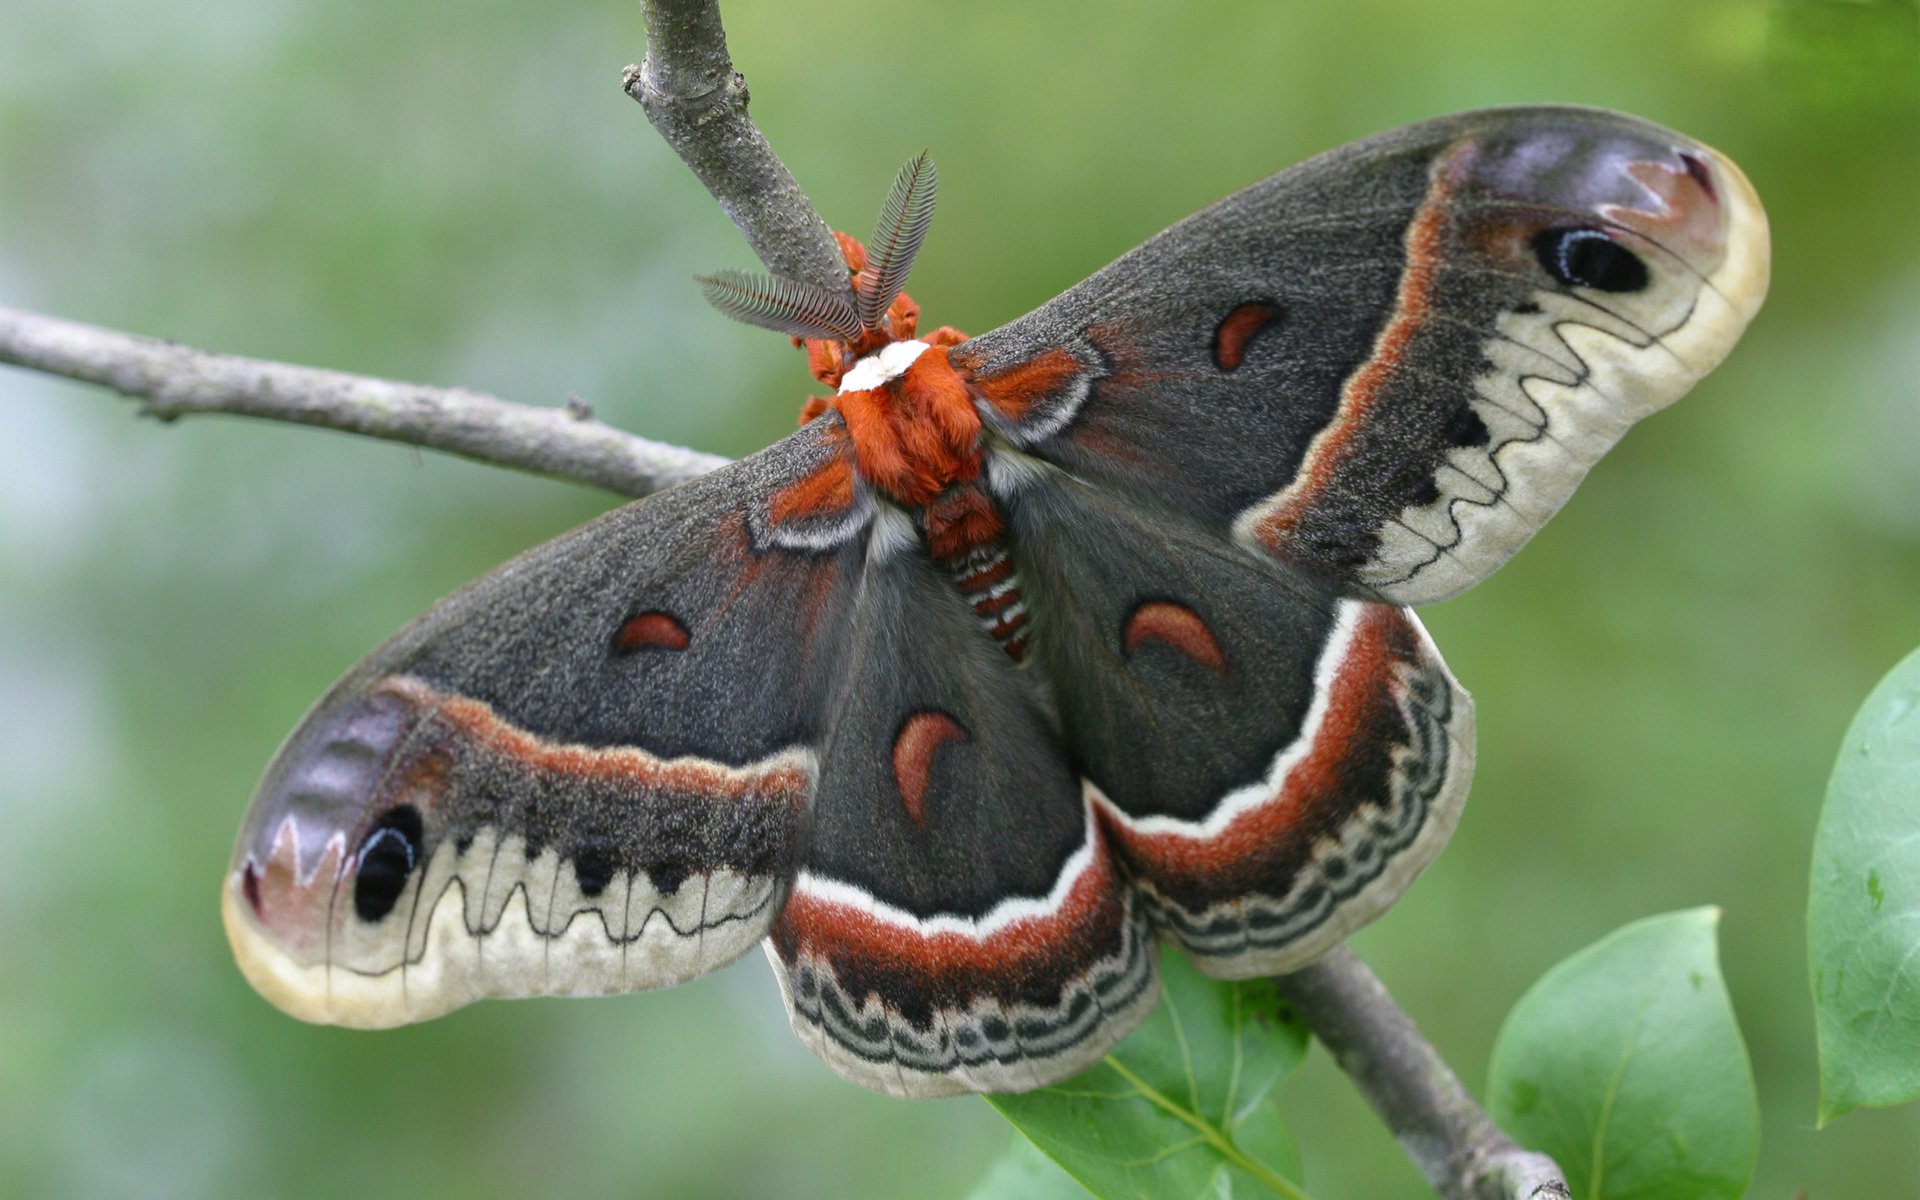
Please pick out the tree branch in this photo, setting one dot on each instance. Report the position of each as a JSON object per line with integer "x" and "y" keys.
{"x": 1450, "y": 1138}
{"x": 689, "y": 90}
{"x": 177, "y": 381}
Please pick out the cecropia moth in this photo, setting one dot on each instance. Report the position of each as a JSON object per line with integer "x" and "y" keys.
{"x": 1027, "y": 651}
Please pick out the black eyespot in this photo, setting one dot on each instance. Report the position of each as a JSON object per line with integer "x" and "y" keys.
{"x": 1589, "y": 258}
{"x": 387, "y": 857}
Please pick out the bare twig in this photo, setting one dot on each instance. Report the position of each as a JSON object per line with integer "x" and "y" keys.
{"x": 1449, "y": 1137}
{"x": 691, "y": 94}
{"x": 698, "y": 103}
{"x": 177, "y": 381}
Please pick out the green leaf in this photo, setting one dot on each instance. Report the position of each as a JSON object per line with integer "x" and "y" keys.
{"x": 1263, "y": 1137}
{"x": 1023, "y": 1173}
{"x": 1179, "y": 1108}
{"x": 1625, "y": 1064}
{"x": 1863, "y": 915}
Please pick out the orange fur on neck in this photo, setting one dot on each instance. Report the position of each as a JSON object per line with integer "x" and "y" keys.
{"x": 915, "y": 435}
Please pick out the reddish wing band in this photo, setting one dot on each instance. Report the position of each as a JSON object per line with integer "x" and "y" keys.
{"x": 1275, "y": 764}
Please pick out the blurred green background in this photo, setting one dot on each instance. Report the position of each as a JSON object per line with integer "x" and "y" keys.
{"x": 461, "y": 194}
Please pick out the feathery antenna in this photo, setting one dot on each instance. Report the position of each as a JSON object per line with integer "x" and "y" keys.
{"x": 904, "y": 219}
{"x": 784, "y": 305}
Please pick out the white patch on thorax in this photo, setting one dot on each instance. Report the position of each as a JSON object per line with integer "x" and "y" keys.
{"x": 889, "y": 362}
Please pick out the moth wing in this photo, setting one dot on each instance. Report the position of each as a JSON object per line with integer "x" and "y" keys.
{"x": 588, "y": 772}
{"x": 959, "y": 923}
{"x": 1388, "y": 366}
{"x": 1274, "y": 762}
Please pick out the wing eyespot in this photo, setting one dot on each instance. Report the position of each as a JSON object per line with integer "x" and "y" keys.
{"x": 1588, "y": 258}
{"x": 386, "y": 860}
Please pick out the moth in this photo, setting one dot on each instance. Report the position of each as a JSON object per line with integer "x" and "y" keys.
{"x": 1026, "y": 652}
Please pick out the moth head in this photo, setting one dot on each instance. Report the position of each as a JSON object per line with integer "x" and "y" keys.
{"x": 842, "y": 327}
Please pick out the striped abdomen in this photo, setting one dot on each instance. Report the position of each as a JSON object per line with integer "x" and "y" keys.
{"x": 986, "y": 577}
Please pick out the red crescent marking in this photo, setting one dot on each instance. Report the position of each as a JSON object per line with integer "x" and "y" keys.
{"x": 1329, "y": 452}
{"x": 1046, "y": 945}
{"x": 913, "y": 750}
{"x": 1015, "y": 391}
{"x": 624, "y": 766}
{"x": 826, "y": 492}
{"x": 1317, "y": 797}
{"x": 1178, "y": 626}
{"x": 1237, "y": 328}
{"x": 650, "y": 630}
